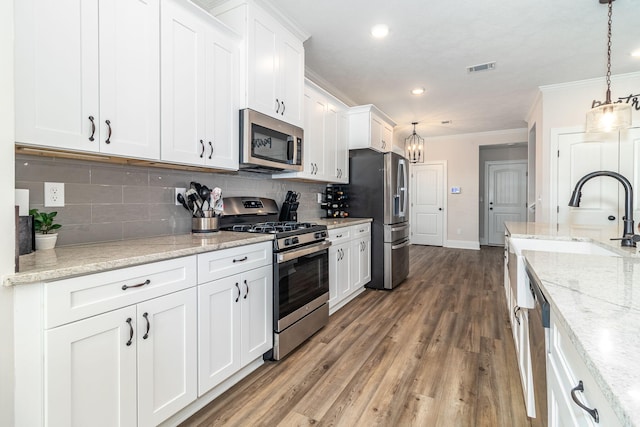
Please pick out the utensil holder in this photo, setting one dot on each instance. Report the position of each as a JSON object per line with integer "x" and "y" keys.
{"x": 204, "y": 225}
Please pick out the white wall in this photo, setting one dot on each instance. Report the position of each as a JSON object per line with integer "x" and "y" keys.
{"x": 7, "y": 215}
{"x": 565, "y": 106}
{"x": 462, "y": 153}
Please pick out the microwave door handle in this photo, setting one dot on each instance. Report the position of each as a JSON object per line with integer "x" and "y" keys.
{"x": 290, "y": 150}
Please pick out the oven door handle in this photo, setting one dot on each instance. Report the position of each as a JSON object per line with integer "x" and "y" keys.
{"x": 306, "y": 250}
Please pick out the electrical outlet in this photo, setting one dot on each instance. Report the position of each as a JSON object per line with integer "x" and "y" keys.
{"x": 179, "y": 191}
{"x": 319, "y": 197}
{"x": 53, "y": 194}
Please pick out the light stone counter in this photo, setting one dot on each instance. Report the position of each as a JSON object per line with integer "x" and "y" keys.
{"x": 68, "y": 261}
{"x": 597, "y": 300}
{"x": 332, "y": 223}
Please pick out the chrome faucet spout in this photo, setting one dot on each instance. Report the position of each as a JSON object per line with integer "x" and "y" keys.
{"x": 628, "y": 234}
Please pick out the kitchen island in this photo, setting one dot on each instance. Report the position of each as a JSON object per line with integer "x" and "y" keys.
{"x": 596, "y": 299}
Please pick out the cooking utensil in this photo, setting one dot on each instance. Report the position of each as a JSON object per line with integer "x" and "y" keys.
{"x": 205, "y": 195}
{"x": 192, "y": 196}
{"x": 182, "y": 201}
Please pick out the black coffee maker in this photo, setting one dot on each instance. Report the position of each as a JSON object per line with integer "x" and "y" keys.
{"x": 289, "y": 210}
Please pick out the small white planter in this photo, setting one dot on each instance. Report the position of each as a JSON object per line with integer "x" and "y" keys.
{"x": 46, "y": 241}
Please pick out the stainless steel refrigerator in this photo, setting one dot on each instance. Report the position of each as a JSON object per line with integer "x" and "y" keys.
{"x": 379, "y": 189}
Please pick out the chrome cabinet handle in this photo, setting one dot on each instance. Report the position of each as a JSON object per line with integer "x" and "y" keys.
{"x": 202, "y": 152}
{"x": 515, "y": 314}
{"x": 93, "y": 128}
{"x": 108, "y": 140}
{"x": 593, "y": 412}
{"x": 247, "y": 286}
{"x": 240, "y": 260}
{"x": 277, "y": 106}
{"x": 130, "y": 332}
{"x": 211, "y": 146}
{"x": 146, "y": 334}
{"x": 238, "y": 288}
{"x": 146, "y": 282}
{"x": 283, "y": 108}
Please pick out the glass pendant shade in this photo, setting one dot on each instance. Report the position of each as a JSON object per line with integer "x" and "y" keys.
{"x": 414, "y": 146}
{"x": 609, "y": 117}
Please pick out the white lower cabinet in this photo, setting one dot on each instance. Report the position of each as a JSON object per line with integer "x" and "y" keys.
{"x": 565, "y": 371}
{"x": 235, "y": 326}
{"x": 349, "y": 263}
{"x": 235, "y": 311}
{"x": 133, "y": 365}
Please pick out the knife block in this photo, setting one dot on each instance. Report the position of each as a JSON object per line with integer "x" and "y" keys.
{"x": 289, "y": 212}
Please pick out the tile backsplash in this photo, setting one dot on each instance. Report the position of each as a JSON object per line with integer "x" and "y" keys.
{"x": 106, "y": 202}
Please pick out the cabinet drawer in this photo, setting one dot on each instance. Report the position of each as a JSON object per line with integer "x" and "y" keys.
{"x": 80, "y": 297}
{"x": 361, "y": 229}
{"x": 340, "y": 235}
{"x": 569, "y": 368}
{"x": 223, "y": 263}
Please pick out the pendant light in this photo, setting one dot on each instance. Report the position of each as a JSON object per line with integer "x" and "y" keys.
{"x": 414, "y": 146}
{"x": 609, "y": 116}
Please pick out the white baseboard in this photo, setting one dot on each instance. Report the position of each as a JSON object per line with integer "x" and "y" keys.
{"x": 462, "y": 244}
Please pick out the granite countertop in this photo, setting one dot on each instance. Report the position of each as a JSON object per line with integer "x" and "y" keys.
{"x": 597, "y": 300}
{"x": 341, "y": 222}
{"x": 68, "y": 261}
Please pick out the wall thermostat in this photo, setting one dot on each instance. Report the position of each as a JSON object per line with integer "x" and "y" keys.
{"x": 455, "y": 190}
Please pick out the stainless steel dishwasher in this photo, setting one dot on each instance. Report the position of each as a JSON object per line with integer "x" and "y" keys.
{"x": 539, "y": 321}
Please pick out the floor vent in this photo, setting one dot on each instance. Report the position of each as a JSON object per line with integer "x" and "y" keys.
{"x": 482, "y": 67}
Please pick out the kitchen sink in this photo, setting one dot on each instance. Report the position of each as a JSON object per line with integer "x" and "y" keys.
{"x": 564, "y": 246}
{"x": 517, "y": 275}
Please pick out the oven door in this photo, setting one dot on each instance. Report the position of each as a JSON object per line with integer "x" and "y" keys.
{"x": 301, "y": 283}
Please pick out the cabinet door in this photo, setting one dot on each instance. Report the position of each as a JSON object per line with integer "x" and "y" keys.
{"x": 330, "y": 142}
{"x": 54, "y": 98}
{"x": 167, "y": 356}
{"x": 219, "y": 329}
{"x": 342, "y": 149}
{"x": 257, "y": 313}
{"x": 361, "y": 274}
{"x": 291, "y": 78}
{"x": 263, "y": 58}
{"x": 90, "y": 371}
{"x": 387, "y": 137}
{"x": 130, "y": 78}
{"x": 221, "y": 107}
{"x": 334, "y": 262}
{"x": 314, "y": 136}
{"x": 183, "y": 97}
{"x": 376, "y": 133}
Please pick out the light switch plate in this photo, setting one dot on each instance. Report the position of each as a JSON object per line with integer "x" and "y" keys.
{"x": 179, "y": 191}
{"x": 53, "y": 194}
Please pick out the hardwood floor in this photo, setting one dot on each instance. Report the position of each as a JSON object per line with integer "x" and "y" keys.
{"x": 436, "y": 351}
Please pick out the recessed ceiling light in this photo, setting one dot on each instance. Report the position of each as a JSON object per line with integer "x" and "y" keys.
{"x": 417, "y": 91}
{"x": 380, "y": 31}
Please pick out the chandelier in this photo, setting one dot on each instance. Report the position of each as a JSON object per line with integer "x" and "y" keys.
{"x": 608, "y": 117}
{"x": 414, "y": 146}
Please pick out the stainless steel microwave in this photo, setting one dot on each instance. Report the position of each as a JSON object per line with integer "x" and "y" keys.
{"x": 268, "y": 144}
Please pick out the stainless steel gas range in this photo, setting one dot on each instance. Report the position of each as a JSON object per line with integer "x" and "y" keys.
{"x": 300, "y": 269}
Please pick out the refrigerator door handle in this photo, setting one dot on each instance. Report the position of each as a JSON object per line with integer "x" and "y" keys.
{"x": 402, "y": 187}
{"x": 401, "y": 245}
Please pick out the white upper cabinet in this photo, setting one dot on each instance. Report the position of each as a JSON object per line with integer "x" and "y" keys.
{"x": 199, "y": 96}
{"x": 326, "y": 153}
{"x": 88, "y": 76}
{"x": 273, "y": 62}
{"x": 370, "y": 128}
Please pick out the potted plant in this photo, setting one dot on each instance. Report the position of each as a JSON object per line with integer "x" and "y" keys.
{"x": 46, "y": 236}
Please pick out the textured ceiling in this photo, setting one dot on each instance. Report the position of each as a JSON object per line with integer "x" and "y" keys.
{"x": 534, "y": 42}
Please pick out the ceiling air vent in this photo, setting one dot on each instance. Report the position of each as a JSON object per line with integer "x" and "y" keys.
{"x": 482, "y": 67}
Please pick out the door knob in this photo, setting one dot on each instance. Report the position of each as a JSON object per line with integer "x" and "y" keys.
{"x": 439, "y": 209}
{"x": 611, "y": 218}
{"x": 490, "y": 209}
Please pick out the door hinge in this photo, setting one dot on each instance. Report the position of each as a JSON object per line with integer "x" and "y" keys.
{"x": 558, "y": 209}
{"x": 558, "y": 153}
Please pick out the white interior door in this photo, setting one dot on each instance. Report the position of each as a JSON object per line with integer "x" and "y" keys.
{"x": 428, "y": 204}
{"x": 578, "y": 155}
{"x": 506, "y": 183}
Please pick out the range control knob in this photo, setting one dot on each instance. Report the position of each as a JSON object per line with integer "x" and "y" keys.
{"x": 295, "y": 240}
{"x": 287, "y": 242}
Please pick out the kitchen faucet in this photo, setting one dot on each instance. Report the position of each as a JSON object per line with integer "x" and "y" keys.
{"x": 628, "y": 236}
